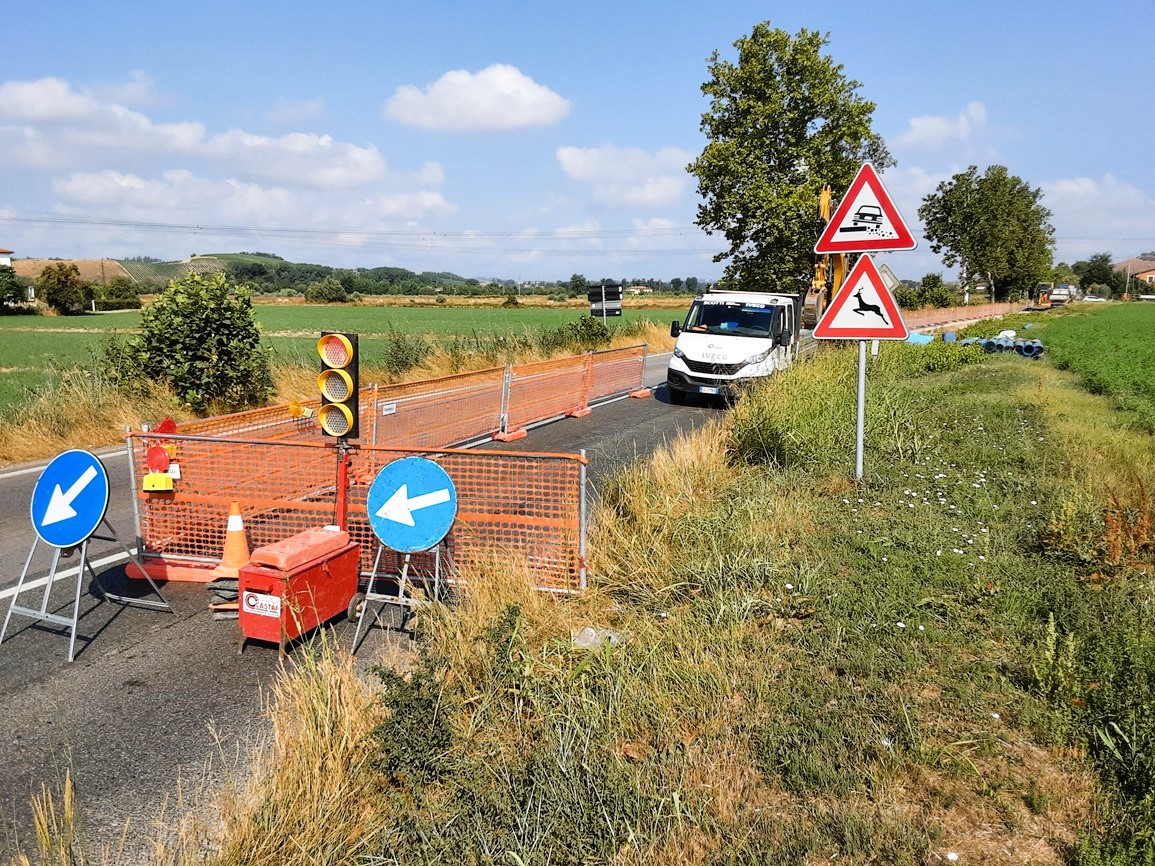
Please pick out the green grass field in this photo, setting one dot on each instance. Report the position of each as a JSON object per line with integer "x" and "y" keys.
{"x": 34, "y": 348}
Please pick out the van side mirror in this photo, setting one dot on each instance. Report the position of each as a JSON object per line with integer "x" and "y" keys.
{"x": 675, "y": 329}
{"x": 784, "y": 338}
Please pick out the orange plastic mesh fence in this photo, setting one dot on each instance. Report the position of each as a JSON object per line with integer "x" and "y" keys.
{"x": 438, "y": 413}
{"x": 932, "y": 318}
{"x": 529, "y": 505}
{"x": 282, "y": 487}
{"x": 617, "y": 371}
{"x": 526, "y": 504}
{"x": 546, "y": 389}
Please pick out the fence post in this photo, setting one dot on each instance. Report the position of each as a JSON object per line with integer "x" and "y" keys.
{"x": 582, "y": 572}
{"x": 132, "y": 489}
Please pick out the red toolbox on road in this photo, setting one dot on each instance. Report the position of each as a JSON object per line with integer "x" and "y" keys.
{"x": 295, "y": 585}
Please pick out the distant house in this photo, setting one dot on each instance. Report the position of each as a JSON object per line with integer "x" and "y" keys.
{"x": 640, "y": 290}
{"x": 5, "y": 258}
{"x": 1141, "y": 269}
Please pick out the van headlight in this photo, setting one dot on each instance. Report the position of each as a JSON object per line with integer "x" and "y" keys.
{"x": 678, "y": 353}
{"x": 758, "y": 359}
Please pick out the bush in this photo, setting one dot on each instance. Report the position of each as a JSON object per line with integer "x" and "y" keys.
{"x": 327, "y": 291}
{"x": 200, "y": 336}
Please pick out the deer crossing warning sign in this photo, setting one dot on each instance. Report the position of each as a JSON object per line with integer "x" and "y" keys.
{"x": 864, "y": 309}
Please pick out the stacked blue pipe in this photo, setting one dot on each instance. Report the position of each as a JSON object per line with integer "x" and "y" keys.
{"x": 991, "y": 345}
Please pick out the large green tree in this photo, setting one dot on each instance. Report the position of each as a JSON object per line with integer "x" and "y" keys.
{"x": 59, "y": 285}
{"x": 994, "y": 226}
{"x": 783, "y": 122}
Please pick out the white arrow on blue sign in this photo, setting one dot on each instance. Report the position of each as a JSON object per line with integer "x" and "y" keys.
{"x": 70, "y": 499}
{"x": 412, "y": 504}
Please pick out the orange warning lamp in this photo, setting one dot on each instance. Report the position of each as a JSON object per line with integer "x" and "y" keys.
{"x": 157, "y": 480}
{"x": 296, "y": 410}
{"x": 338, "y": 384}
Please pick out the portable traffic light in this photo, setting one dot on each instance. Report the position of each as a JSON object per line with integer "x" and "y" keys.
{"x": 338, "y": 385}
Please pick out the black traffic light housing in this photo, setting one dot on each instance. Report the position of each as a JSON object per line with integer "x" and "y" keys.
{"x": 338, "y": 383}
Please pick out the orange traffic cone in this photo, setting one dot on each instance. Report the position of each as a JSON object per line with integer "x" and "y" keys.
{"x": 236, "y": 554}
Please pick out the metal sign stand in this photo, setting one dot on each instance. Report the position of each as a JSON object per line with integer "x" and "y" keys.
{"x": 42, "y": 614}
{"x": 406, "y": 602}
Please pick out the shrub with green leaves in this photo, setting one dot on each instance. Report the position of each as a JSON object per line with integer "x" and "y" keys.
{"x": 202, "y": 338}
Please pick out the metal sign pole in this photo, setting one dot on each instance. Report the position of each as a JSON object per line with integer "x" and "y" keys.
{"x": 861, "y": 424}
{"x": 603, "y": 304}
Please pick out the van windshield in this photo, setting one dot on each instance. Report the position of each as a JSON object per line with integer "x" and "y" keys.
{"x": 738, "y": 318}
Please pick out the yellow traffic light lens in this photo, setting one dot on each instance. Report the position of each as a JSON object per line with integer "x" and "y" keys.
{"x": 336, "y": 419}
{"x": 335, "y": 385}
{"x": 335, "y": 350}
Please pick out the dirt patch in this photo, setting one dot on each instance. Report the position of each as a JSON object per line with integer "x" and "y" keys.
{"x": 91, "y": 270}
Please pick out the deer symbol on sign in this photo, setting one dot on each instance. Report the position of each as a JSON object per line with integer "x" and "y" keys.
{"x": 863, "y": 308}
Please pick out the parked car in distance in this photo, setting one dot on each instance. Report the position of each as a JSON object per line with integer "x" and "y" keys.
{"x": 1093, "y": 298}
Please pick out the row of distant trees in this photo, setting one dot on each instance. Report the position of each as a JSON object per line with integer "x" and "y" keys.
{"x": 61, "y": 288}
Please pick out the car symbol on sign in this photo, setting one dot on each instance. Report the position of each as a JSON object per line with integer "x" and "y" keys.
{"x": 867, "y": 214}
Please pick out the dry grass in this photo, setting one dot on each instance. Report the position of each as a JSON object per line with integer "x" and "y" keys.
{"x": 81, "y": 412}
{"x": 310, "y": 795}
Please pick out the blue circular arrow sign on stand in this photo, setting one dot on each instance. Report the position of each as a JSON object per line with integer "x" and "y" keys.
{"x": 412, "y": 504}
{"x": 70, "y": 499}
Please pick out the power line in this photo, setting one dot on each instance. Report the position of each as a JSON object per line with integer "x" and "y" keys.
{"x": 443, "y": 241}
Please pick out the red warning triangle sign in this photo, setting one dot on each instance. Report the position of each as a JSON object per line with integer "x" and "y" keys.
{"x": 864, "y": 309}
{"x": 866, "y": 220}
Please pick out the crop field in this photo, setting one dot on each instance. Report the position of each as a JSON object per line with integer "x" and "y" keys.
{"x": 1112, "y": 350}
{"x": 34, "y": 349}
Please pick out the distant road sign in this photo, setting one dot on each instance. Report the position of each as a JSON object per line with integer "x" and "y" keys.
{"x": 412, "y": 504}
{"x": 864, "y": 309}
{"x": 70, "y": 499}
{"x": 866, "y": 220}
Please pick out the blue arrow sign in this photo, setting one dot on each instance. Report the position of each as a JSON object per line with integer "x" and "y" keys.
{"x": 69, "y": 499}
{"x": 412, "y": 504}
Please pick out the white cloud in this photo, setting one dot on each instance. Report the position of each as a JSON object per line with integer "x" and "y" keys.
{"x": 628, "y": 176}
{"x": 298, "y": 159}
{"x": 498, "y": 97}
{"x": 931, "y": 132}
{"x": 139, "y": 90}
{"x": 213, "y": 201}
{"x": 295, "y": 110}
{"x": 1094, "y": 215}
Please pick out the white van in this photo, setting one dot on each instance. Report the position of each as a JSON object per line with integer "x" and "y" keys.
{"x": 731, "y": 338}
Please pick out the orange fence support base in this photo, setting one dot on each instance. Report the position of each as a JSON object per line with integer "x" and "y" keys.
{"x": 578, "y": 413}
{"x": 642, "y": 393}
{"x": 512, "y": 436}
{"x": 170, "y": 569}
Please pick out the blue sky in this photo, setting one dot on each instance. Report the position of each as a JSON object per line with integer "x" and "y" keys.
{"x": 527, "y": 141}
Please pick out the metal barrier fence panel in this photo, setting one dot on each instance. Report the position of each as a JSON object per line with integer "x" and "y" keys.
{"x": 617, "y": 371}
{"x": 524, "y": 503}
{"x": 438, "y": 413}
{"x": 282, "y": 487}
{"x": 546, "y": 389}
{"x": 530, "y": 504}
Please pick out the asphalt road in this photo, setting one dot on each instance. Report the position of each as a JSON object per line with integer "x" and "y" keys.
{"x": 156, "y": 702}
